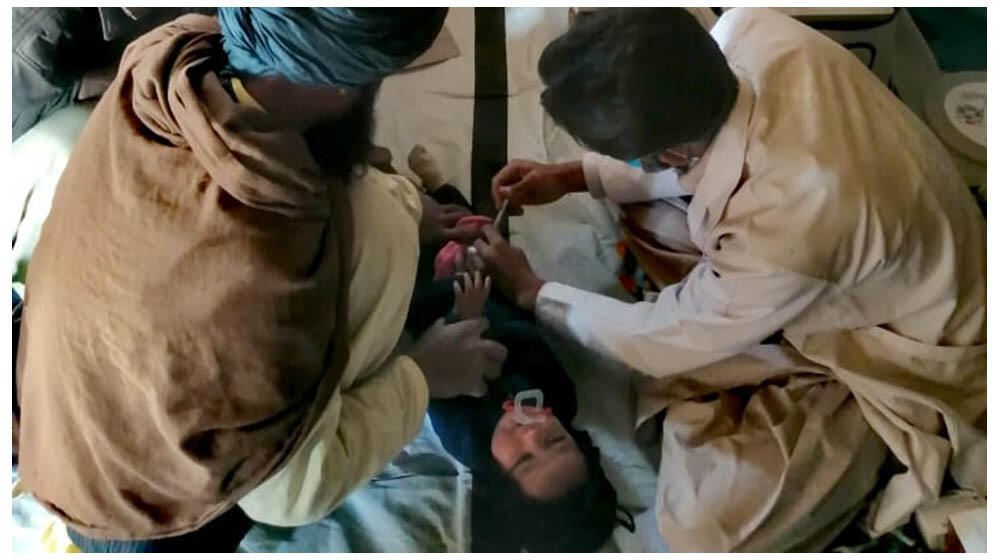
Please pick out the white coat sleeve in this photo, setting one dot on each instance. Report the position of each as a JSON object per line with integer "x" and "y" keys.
{"x": 621, "y": 183}
{"x": 714, "y": 313}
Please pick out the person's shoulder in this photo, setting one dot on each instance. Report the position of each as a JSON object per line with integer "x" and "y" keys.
{"x": 761, "y": 38}
{"x": 398, "y": 187}
{"x": 742, "y": 22}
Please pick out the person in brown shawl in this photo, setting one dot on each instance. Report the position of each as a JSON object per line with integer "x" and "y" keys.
{"x": 212, "y": 312}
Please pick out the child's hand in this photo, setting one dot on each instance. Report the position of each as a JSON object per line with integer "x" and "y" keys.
{"x": 469, "y": 301}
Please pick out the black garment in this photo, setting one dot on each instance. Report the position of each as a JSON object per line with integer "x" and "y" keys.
{"x": 15, "y": 328}
{"x": 17, "y": 307}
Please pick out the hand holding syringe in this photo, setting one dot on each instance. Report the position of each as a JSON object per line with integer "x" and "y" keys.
{"x": 469, "y": 260}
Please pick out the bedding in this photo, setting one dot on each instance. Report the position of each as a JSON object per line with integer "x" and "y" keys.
{"x": 41, "y": 155}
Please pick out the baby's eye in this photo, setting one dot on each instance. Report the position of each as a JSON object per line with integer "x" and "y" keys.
{"x": 556, "y": 440}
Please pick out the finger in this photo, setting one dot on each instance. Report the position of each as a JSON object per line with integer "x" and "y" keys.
{"x": 483, "y": 250}
{"x": 517, "y": 193}
{"x": 466, "y": 281}
{"x": 477, "y": 263}
{"x": 478, "y": 278}
{"x": 493, "y": 234}
{"x": 493, "y": 350}
{"x": 510, "y": 193}
{"x": 473, "y": 327}
{"x": 460, "y": 261}
{"x": 488, "y": 284}
{"x": 480, "y": 389}
{"x": 449, "y": 221}
{"x": 521, "y": 194}
{"x": 495, "y": 193}
{"x": 461, "y": 234}
{"x": 455, "y": 210}
{"x": 492, "y": 370}
{"x": 511, "y": 173}
{"x": 484, "y": 254}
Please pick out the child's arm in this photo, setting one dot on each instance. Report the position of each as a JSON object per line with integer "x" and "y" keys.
{"x": 470, "y": 299}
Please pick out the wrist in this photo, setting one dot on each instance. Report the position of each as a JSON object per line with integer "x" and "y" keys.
{"x": 527, "y": 294}
{"x": 572, "y": 177}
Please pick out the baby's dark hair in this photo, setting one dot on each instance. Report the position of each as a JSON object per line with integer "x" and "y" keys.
{"x": 504, "y": 519}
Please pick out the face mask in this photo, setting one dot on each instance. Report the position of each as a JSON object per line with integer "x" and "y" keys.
{"x": 651, "y": 163}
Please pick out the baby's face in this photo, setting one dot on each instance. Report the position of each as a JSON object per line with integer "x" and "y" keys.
{"x": 542, "y": 457}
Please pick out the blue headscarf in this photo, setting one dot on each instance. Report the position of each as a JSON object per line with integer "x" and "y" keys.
{"x": 327, "y": 46}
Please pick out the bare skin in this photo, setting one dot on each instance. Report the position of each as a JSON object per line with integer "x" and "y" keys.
{"x": 542, "y": 457}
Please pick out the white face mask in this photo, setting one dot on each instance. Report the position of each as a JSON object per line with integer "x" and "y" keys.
{"x": 652, "y": 163}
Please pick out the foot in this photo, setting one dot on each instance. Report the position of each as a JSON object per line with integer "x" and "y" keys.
{"x": 381, "y": 158}
{"x": 423, "y": 164}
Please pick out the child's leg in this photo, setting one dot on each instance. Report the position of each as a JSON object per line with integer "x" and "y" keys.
{"x": 423, "y": 164}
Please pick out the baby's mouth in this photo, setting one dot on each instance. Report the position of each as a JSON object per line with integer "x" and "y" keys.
{"x": 508, "y": 406}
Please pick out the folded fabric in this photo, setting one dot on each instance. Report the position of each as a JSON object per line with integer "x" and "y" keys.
{"x": 444, "y": 262}
{"x": 443, "y": 48}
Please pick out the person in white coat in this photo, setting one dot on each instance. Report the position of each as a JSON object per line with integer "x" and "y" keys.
{"x": 777, "y": 187}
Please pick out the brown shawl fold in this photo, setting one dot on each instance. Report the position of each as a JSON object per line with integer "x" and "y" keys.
{"x": 185, "y": 317}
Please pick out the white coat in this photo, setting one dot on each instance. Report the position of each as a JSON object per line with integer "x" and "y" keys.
{"x": 826, "y": 210}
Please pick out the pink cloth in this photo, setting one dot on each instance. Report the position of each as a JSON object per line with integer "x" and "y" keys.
{"x": 444, "y": 261}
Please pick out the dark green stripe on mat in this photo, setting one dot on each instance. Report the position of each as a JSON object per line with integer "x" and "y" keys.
{"x": 489, "y": 116}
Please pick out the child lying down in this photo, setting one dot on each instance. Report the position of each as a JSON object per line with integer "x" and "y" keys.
{"x": 537, "y": 486}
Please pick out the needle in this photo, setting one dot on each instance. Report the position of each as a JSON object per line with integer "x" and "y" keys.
{"x": 471, "y": 251}
{"x": 500, "y": 214}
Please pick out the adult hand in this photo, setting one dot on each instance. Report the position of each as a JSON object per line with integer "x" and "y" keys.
{"x": 510, "y": 266}
{"x": 456, "y": 360}
{"x": 438, "y": 223}
{"x": 530, "y": 183}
